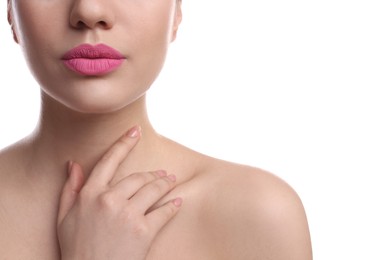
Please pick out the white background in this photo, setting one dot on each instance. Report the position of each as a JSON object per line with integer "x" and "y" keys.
{"x": 299, "y": 88}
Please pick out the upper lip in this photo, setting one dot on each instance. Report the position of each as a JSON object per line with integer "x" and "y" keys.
{"x": 87, "y": 51}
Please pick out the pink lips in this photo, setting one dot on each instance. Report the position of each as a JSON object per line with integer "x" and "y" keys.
{"x": 91, "y": 60}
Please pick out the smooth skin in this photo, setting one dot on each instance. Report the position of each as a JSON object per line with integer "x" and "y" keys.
{"x": 126, "y": 216}
{"x": 96, "y": 181}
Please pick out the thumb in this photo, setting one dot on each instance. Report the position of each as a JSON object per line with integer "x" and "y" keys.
{"x": 70, "y": 191}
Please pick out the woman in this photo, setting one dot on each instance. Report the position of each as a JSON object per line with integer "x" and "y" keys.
{"x": 96, "y": 181}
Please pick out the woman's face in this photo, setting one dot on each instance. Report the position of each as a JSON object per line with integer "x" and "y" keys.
{"x": 140, "y": 30}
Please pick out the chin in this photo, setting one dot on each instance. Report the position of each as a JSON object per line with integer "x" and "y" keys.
{"x": 92, "y": 96}
{"x": 93, "y": 108}
{"x": 92, "y": 103}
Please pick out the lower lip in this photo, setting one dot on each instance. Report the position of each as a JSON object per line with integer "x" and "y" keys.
{"x": 93, "y": 67}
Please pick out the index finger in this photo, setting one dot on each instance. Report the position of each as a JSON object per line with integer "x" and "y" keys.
{"x": 106, "y": 167}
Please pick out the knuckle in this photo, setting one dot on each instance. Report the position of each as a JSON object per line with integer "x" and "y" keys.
{"x": 86, "y": 193}
{"x": 139, "y": 228}
{"x": 159, "y": 186}
{"x": 122, "y": 143}
{"x": 127, "y": 216}
{"x": 106, "y": 201}
{"x": 108, "y": 155}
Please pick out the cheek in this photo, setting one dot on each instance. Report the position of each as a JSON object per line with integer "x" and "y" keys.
{"x": 36, "y": 33}
{"x": 30, "y": 21}
{"x": 147, "y": 39}
{"x": 150, "y": 25}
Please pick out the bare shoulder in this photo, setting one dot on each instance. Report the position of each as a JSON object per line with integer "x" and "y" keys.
{"x": 11, "y": 153}
{"x": 7, "y": 158}
{"x": 255, "y": 215}
{"x": 13, "y": 160}
{"x": 11, "y": 163}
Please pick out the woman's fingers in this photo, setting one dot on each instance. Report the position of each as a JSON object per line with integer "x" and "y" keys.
{"x": 129, "y": 185}
{"x": 106, "y": 167}
{"x": 159, "y": 217}
{"x": 103, "y": 210}
{"x": 149, "y": 194}
{"x": 71, "y": 190}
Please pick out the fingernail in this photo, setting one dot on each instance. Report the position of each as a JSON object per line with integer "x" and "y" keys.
{"x": 178, "y": 202}
{"x": 172, "y": 177}
{"x": 133, "y": 132}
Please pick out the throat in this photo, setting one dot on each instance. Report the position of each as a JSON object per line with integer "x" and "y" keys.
{"x": 65, "y": 135}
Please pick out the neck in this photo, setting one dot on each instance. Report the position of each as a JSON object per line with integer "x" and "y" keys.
{"x": 63, "y": 134}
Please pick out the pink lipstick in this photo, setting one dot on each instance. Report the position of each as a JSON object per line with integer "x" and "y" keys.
{"x": 91, "y": 60}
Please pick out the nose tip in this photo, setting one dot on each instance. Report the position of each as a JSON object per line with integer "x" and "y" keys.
{"x": 90, "y": 14}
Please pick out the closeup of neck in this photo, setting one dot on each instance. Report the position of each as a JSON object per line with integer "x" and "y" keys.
{"x": 63, "y": 134}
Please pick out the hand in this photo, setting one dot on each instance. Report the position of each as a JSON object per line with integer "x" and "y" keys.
{"x": 101, "y": 220}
